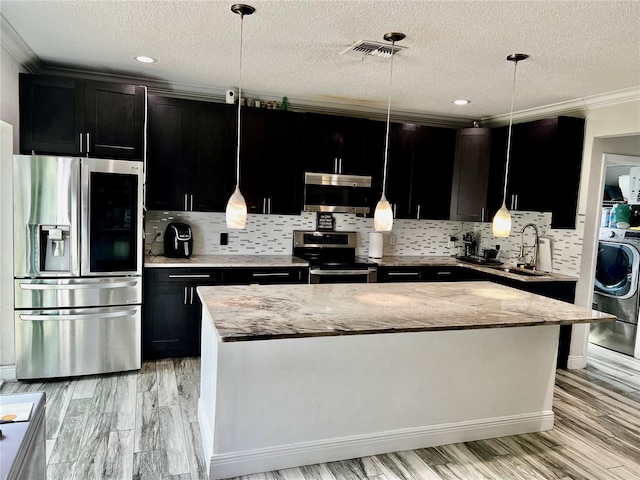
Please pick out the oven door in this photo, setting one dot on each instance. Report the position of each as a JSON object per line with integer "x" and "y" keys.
{"x": 320, "y": 275}
{"x": 111, "y": 217}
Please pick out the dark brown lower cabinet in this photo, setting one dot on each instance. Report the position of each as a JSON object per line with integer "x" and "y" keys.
{"x": 172, "y": 311}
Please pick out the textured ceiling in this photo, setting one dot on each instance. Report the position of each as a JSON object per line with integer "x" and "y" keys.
{"x": 456, "y": 49}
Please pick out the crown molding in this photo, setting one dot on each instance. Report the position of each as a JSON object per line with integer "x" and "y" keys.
{"x": 17, "y": 47}
{"x": 300, "y": 104}
{"x": 576, "y": 108}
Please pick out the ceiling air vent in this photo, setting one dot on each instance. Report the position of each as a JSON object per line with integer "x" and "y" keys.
{"x": 363, "y": 48}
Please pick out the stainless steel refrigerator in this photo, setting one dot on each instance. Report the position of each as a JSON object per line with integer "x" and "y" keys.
{"x": 78, "y": 245}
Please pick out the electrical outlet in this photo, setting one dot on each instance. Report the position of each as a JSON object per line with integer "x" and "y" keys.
{"x": 392, "y": 240}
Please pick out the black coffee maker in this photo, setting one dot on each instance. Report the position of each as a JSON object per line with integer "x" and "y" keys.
{"x": 178, "y": 241}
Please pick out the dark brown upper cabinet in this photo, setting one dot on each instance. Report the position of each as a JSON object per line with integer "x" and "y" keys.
{"x": 66, "y": 116}
{"x": 191, "y": 155}
{"x": 471, "y": 175}
{"x": 544, "y": 169}
{"x": 334, "y": 144}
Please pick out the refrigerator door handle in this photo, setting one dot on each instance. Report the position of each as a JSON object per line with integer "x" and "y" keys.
{"x": 80, "y": 316}
{"x": 66, "y": 286}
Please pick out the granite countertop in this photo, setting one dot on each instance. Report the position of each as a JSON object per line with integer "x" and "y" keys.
{"x": 418, "y": 261}
{"x": 242, "y": 313}
{"x": 222, "y": 261}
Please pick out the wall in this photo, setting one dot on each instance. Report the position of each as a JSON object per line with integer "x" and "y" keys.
{"x": 609, "y": 129}
{"x": 9, "y": 70}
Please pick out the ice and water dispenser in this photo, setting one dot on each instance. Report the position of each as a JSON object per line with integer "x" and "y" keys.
{"x": 55, "y": 248}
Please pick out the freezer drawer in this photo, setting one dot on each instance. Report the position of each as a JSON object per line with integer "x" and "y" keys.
{"x": 80, "y": 341}
{"x": 77, "y": 292}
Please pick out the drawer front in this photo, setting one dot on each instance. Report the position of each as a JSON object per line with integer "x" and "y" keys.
{"x": 268, "y": 276}
{"x": 184, "y": 275}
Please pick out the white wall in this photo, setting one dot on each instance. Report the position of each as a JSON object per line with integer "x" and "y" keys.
{"x": 609, "y": 129}
{"x": 9, "y": 70}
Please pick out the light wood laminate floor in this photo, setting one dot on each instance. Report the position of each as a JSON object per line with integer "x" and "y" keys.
{"x": 143, "y": 425}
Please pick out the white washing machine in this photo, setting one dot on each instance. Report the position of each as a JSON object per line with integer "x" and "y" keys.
{"x": 616, "y": 290}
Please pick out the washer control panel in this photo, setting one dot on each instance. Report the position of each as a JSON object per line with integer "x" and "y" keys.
{"x": 620, "y": 235}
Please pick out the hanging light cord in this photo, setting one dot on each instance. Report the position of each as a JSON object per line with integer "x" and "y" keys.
{"x": 239, "y": 98}
{"x": 506, "y": 168}
{"x": 386, "y": 138}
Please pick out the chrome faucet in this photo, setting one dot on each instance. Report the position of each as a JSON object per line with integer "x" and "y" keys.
{"x": 534, "y": 257}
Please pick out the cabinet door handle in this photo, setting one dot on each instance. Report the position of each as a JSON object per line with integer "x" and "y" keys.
{"x": 404, "y": 274}
{"x": 270, "y": 274}
{"x": 264, "y": 204}
{"x": 335, "y": 165}
{"x": 185, "y": 295}
{"x": 185, "y": 202}
{"x": 80, "y": 134}
{"x": 444, "y": 274}
{"x": 191, "y": 300}
{"x": 191, "y": 203}
{"x": 418, "y": 215}
{"x": 340, "y": 166}
{"x": 395, "y": 210}
{"x": 199, "y": 275}
{"x": 517, "y": 202}
{"x": 482, "y": 213}
{"x": 269, "y": 205}
{"x": 88, "y": 144}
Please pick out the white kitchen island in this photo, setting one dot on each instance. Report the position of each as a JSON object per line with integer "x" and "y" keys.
{"x": 301, "y": 374}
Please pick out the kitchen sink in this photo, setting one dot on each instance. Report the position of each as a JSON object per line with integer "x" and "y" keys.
{"x": 519, "y": 271}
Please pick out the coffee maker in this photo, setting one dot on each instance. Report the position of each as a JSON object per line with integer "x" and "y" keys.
{"x": 178, "y": 240}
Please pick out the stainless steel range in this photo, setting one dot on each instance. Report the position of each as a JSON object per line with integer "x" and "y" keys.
{"x": 332, "y": 257}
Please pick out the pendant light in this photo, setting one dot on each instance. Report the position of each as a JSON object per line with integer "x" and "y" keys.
{"x": 383, "y": 216}
{"x": 502, "y": 218}
{"x": 236, "y": 212}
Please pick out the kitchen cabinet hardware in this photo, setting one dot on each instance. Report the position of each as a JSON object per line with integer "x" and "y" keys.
{"x": 185, "y": 295}
{"x": 395, "y": 210}
{"x": 483, "y": 212}
{"x": 185, "y": 202}
{"x": 418, "y": 213}
{"x": 270, "y": 274}
{"x": 80, "y": 134}
{"x": 190, "y": 275}
{"x": 403, "y": 274}
{"x": 445, "y": 274}
{"x": 88, "y": 143}
{"x": 191, "y": 300}
{"x": 191, "y": 203}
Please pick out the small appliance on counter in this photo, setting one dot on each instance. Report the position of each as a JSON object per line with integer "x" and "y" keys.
{"x": 178, "y": 241}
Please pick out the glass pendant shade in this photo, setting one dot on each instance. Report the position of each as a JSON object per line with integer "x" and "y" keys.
{"x": 236, "y": 213}
{"x": 383, "y": 216}
{"x": 502, "y": 222}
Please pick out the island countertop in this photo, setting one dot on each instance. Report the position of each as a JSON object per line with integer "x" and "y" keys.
{"x": 242, "y": 313}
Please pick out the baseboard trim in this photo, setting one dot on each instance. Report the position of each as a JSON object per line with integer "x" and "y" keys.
{"x": 307, "y": 453}
{"x": 8, "y": 372}
{"x": 576, "y": 362}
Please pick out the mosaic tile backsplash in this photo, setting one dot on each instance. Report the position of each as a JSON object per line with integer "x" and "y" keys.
{"x": 272, "y": 235}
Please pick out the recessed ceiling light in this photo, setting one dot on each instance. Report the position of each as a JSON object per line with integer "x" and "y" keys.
{"x": 461, "y": 102}
{"x": 145, "y": 59}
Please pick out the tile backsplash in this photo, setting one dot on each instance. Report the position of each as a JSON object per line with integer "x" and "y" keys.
{"x": 272, "y": 235}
